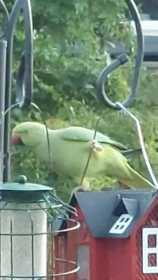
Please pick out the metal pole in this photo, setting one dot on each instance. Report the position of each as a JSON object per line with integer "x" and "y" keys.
{"x": 27, "y": 80}
{"x": 6, "y": 161}
{"x": 3, "y": 47}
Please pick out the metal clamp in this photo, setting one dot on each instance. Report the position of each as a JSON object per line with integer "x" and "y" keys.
{"x": 101, "y": 93}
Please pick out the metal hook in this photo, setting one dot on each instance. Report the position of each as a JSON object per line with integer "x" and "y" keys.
{"x": 121, "y": 60}
{"x": 25, "y": 74}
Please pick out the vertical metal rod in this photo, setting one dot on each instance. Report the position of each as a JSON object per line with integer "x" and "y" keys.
{"x": 11, "y": 249}
{"x": 49, "y": 251}
{"x": 0, "y": 244}
{"x": 32, "y": 247}
{"x": 28, "y": 53}
{"x": 53, "y": 257}
{"x": 3, "y": 47}
{"x": 28, "y": 80}
{"x": 9, "y": 36}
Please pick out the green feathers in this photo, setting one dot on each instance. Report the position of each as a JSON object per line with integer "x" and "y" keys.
{"x": 82, "y": 134}
{"x": 69, "y": 149}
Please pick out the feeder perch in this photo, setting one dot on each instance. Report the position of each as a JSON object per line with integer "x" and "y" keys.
{"x": 27, "y": 212}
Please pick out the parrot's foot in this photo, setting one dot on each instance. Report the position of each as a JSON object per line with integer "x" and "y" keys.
{"x": 95, "y": 146}
{"x": 124, "y": 185}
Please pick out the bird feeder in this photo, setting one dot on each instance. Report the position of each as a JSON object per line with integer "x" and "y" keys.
{"x": 118, "y": 236}
{"x": 27, "y": 212}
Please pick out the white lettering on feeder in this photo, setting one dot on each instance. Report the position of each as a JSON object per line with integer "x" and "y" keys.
{"x": 121, "y": 224}
{"x": 150, "y": 250}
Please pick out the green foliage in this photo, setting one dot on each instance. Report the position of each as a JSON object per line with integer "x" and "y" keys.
{"x": 70, "y": 40}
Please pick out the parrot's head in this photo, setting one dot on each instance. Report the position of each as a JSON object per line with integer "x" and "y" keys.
{"x": 28, "y": 133}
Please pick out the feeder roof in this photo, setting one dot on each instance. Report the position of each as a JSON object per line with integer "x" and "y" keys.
{"x": 26, "y": 187}
{"x": 113, "y": 213}
{"x": 22, "y": 191}
{"x": 21, "y": 185}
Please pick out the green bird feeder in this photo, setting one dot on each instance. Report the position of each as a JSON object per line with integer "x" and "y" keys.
{"x": 23, "y": 230}
{"x": 27, "y": 213}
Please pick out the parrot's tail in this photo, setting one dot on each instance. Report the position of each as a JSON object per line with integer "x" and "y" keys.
{"x": 136, "y": 180}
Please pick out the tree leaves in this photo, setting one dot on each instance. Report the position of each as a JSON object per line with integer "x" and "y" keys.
{"x": 70, "y": 50}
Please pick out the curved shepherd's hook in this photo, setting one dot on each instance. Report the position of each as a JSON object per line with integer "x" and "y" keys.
{"x": 24, "y": 83}
{"x": 101, "y": 93}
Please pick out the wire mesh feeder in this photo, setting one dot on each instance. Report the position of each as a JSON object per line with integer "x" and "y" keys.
{"x": 27, "y": 212}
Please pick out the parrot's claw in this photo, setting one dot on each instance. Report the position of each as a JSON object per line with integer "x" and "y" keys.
{"x": 95, "y": 146}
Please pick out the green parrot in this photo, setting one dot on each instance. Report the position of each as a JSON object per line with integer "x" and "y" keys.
{"x": 68, "y": 151}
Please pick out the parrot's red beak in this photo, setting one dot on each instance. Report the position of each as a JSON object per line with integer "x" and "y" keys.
{"x": 16, "y": 140}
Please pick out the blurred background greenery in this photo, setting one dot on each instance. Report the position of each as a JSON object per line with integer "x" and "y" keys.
{"x": 70, "y": 50}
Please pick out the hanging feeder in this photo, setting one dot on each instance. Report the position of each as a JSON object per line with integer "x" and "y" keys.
{"x": 27, "y": 213}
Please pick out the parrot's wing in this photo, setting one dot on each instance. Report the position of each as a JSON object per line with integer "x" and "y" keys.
{"x": 82, "y": 134}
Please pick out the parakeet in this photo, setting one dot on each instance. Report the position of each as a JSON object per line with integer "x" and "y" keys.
{"x": 67, "y": 150}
